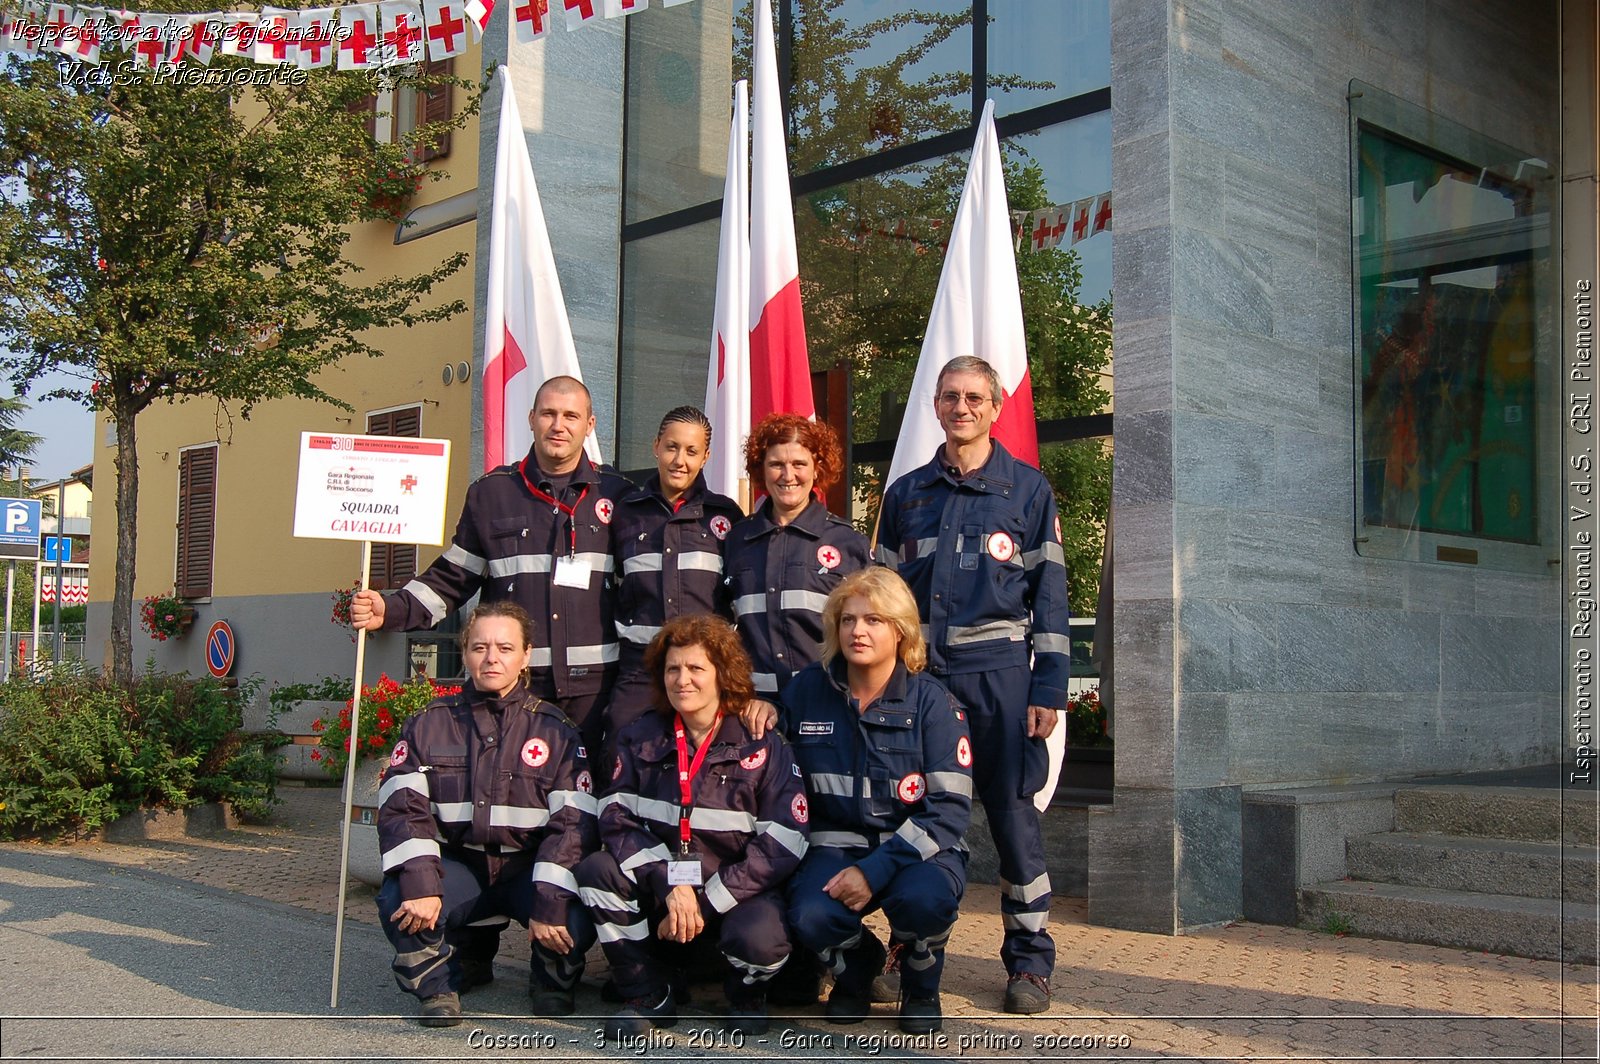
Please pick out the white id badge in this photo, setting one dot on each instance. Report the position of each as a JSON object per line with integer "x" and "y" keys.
{"x": 685, "y": 873}
{"x": 572, "y": 571}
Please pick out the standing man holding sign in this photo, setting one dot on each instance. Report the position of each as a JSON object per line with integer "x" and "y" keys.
{"x": 975, "y": 533}
{"x": 537, "y": 533}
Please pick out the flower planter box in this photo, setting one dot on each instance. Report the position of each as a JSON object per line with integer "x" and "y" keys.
{"x": 170, "y": 824}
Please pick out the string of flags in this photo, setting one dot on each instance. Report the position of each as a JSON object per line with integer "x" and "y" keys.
{"x": 1064, "y": 224}
{"x": 351, "y": 37}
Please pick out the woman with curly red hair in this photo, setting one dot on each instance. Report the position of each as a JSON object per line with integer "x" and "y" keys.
{"x": 784, "y": 559}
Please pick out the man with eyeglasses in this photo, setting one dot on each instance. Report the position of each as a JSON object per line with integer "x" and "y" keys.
{"x": 976, "y": 535}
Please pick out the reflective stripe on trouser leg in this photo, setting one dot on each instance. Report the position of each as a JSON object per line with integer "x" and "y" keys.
{"x": 997, "y": 704}
{"x": 754, "y": 940}
{"x": 422, "y": 960}
{"x": 922, "y": 902}
{"x": 615, "y": 903}
{"x": 552, "y": 970}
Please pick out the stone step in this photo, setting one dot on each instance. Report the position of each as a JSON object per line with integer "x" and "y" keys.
{"x": 1530, "y": 813}
{"x": 1542, "y": 928}
{"x": 1485, "y": 866}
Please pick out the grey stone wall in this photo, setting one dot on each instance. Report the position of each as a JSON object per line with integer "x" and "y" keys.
{"x": 1254, "y": 646}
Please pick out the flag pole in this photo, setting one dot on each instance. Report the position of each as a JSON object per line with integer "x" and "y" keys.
{"x": 350, "y": 783}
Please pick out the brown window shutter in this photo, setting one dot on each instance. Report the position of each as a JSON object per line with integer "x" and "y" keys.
{"x": 197, "y": 512}
{"x": 367, "y": 107}
{"x": 393, "y": 563}
{"x": 435, "y": 105}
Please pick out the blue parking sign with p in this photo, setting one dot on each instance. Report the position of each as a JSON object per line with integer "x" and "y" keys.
{"x": 20, "y": 521}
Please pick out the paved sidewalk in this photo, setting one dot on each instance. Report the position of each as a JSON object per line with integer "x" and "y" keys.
{"x": 1241, "y": 991}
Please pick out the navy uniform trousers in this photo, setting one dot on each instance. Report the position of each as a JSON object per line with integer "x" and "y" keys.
{"x": 425, "y": 961}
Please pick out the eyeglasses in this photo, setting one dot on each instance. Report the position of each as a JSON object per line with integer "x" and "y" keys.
{"x": 972, "y": 399}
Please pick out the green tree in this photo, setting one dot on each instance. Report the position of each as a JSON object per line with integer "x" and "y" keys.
{"x": 16, "y": 444}
{"x": 163, "y": 241}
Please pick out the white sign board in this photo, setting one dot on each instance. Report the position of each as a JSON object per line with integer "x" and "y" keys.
{"x": 387, "y": 489}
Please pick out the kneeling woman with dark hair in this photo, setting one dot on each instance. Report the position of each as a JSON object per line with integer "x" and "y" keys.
{"x": 702, "y": 825}
{"x": 887, "y": 760}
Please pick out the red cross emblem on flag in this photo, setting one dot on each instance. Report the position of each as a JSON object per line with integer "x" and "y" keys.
{"x": 720, "y": 526}
{"x": 1080, "y": 225}
{"x": 359, "y": 41}
{"x": 447, "y": 29}
{"x": 1102, "y": 217}
{"x": 1041, "y": 232}
{"x": 912, "y": 788}
{"x": 828, "y": 556}
{"x": 535, "y": 752}
{"x": 407, "y": 483}
{"x": 755, "y": 760}
{"x": 534, "y": 12}
{"x": 1002, "y": 548}
{"x": 801, "y": 811}
{"x": 603, "y": 509}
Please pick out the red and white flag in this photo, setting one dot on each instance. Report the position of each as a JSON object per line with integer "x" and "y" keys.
{"x": 977, "y": 310}
{"x": 86, "y": 40}
{"x": 358, "y": 36}
{"x": 780, "y": 371}
{"x": 58, "y": 34}
{"x": 728, "y": 376}
{"x": 581, "y": 11}
{"x": 402, "y": 32}
{"x": 526, "y": 337}
{"x": 274, "y": 36}
{"x": 315, "y": 41}
{"x": 21, "y": 33}
{"x": 447, "y": 28}
{"x": 151, "y": 50}
{"x": 206, "y": 34}
{"x": 239, "y": 34}
{"x": 532, "y": 18}
{"x": 1102, "y": 215}
{"x": 478, "y": 12}
{"x": 618, "y": 8}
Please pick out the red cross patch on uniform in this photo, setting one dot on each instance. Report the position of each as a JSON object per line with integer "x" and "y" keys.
{"x": 755, "y": 760}
{"x": 963, "y": 752}
{"x": 911, "y": 787}
{"x": 585, "y": 782}
{"x": 535, "y": 752}
{"x": 720, "y": 526}
{"x": 828, "y": 556}
{"x": 801, "y": 811}
{"x": 603, "y": 509}
{"x": 1002, "y": 548}
{"x": 401, "y": 752}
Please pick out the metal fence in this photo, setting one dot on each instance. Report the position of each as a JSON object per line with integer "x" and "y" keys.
{"x": 23, "y": 656}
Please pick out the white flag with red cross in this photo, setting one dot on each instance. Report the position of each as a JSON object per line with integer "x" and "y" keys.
{"x": 358, "y": 36}
{"x": 58, "y": 35}
{"x": 239, "y": 34}
{"x": 446, "y": 28}
{"x": 274, "y": 36}
{"x": 580, "y": 12}
{"x": 526, "y": 338}
{"x": 122, "y": 30}
{"x": 1102, "y": 215}
{"x": 207, "y": 35}
{"x": 619, "y": 8}
{"x": 728, "y": 374}
{"x": 1078, "y": 223}
{"x": 150, "y": 50}
{"x": 532, "y": 18}
{"x": 87, "y": 25}
{"x": 478, "y": 12}
{"x": 402, "y": 32}
{"x": 780, "y": 369}
{"x": 184, "y": 39}
{"x": 21, "y": 33}
{"x": 315, "y": 38}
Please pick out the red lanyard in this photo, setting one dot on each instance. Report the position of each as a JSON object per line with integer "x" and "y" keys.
{"x": 570, "y": 511}
{"x": 686, "y": 771}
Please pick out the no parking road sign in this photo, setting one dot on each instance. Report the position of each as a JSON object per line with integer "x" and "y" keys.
{"x": 19, "y": 528}
{"x": 219, "y": 649}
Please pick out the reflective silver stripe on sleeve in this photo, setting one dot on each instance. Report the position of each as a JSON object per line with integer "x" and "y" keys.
{"x": 407, "y": 850}
{"x": 556, "y": 875}
{"x": 643, "y": 857}
{"x": 638, "y": 634}
{"x": 1027, "y": 892}
{"x": 701, "y": 560}
{"x": 648, "y": 808}
{"x": 719, "y": 896}
{"x": 745, "y": 605}
{"x": 791, "y": 839}
{"x": 950, "y": 783}
{"x": 718, "y": 820}
{"x": 451, "y": 812}
{"x": 802, "y": 600}
{"x": 464, "y": 559}
{"x": 831, "y": 783}
{"x": 543, "y": 563}
{"x": 636, "y": 932}
{"x": 641, "y": 563}
{"x": 886, "y": 557}
{"x": 1050, "y": 643}
{"x": 410, "y": 781}
{"x": 766, "y": 682}
{"x": 913, "y": 549}
{"x": 559, "y": 800}
{"x": 515, "y": 816}
{"x": 957, "y": 634}
{"x": 437, "y": 607}
{"x": 912, "y": 832}
{"x": 1024, "y": 921}
{"x": 1050, "y": 552}
{"x": 844, "y": 840}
